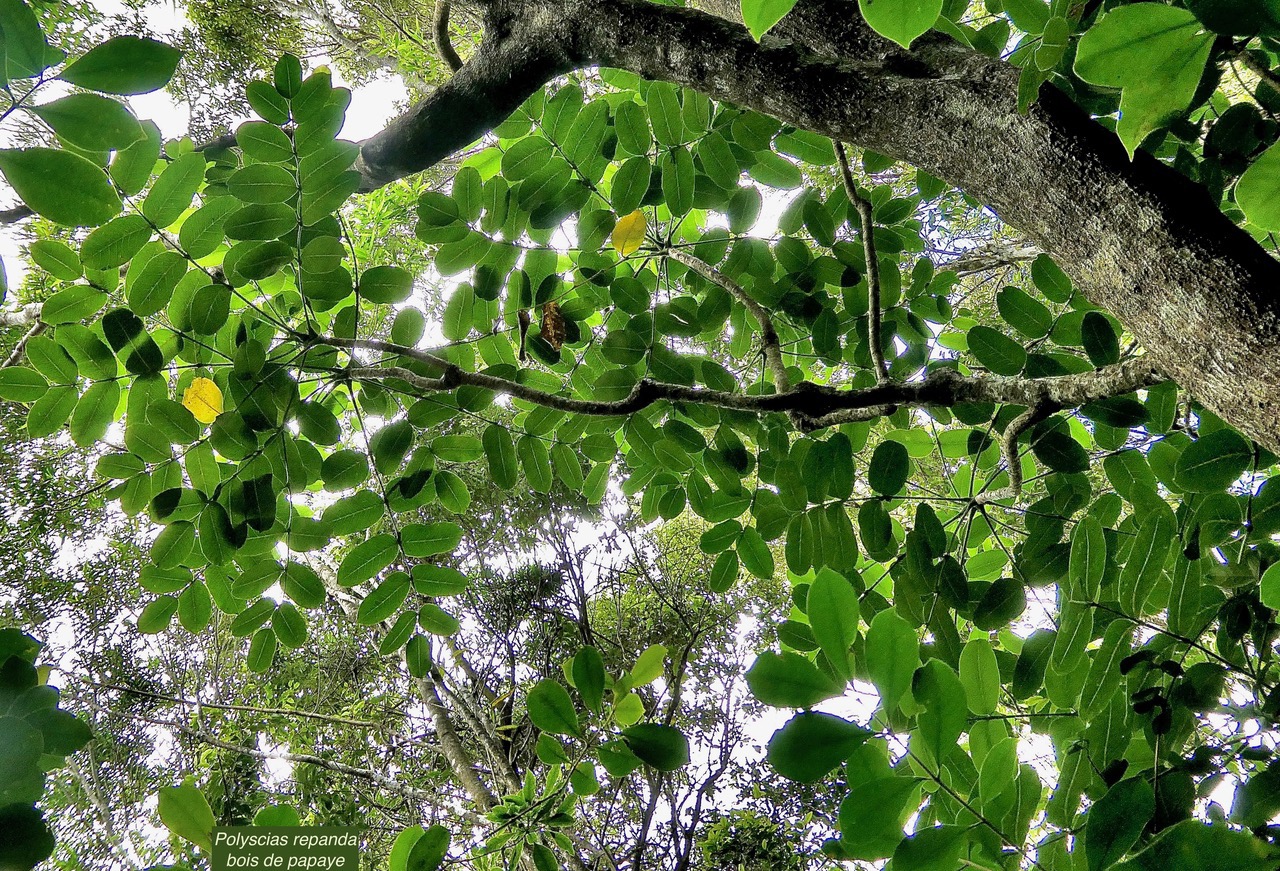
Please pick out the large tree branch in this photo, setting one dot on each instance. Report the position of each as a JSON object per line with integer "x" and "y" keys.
{"x": 516, "y": 57}
{"x": 1138, "y": 238}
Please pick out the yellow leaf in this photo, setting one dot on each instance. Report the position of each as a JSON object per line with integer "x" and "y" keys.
{"x": 203, "y": 399}
{"x": 628, "y": 233}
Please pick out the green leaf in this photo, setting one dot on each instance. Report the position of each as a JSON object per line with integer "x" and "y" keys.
{"x": 50, "y": 411}
{"x": 937, "y": 687}
{"x": 417, "y": 655}
{"x": 588, "y": 677}
{"x": 1024, "y": 313}
{"x": 115, "y": 242}
{"x": 930, "y": 849}
{"x": 262, "y": 183}
{"x": 980, "y": 676}
{"x": 1099, "y": 339}
{"x": 151, "y": 288}
{"x": 1061, "y": 453}
{"x": 173, "y": 189}
{"x": 72, "y": 305}
{"x": 893, "y": 654}
{"x": 788, "y": 680}
{"x": 1104, "y": 674}
{"x": 90, "y": 122}
{"x": 1258, "y": 190}
{"x": 367, "y": 559}
{"x": 260, "y": 222}
{"x": 20, "y": 384}
{"x": 156, "y": 616}
{"x": 500, "y": 452}
{"x": 385, "y": 599}
{"x": 1155, "y": 53}
{"x": 833, "y": 614}
{"x": 1146, "y": 561}
{"x": 871, "y": 816}
{"x": 427, "y": 851}
{"x": 386, "y": 284}
{"x": 94, "y": 413}
{"x": 996, "y": 351}
{"x": 289, "y": 626}
{"x": 429, "y": 539}
{"x": 1270, "y": 590}
{"x": 664, "y": 113}
{"x": 1213, "y": 462}
{"x": 662, "y": 747}
{"x": 1002, "y": 603}
{"x": 262, "y": 651}
{"x": 457, "y": 448}
{"x": 648, "y": 666}
{"x": 1116, "y": 820}
{"x": 1088, "y": 563}
{"x": 754, "y": 552}
{"x": 124, "y": 65}
{"x": 889, "y": 469}
{"x": 551, "y": 709}
{"x": 1192, "y": 844}
{"x": 26, "y": 51}
{"x": 1050, "y": 279}
{"x": 811, "y": 744}
{"x": 60, "y": 186}
{"x": 185, "y": 812}
{"x": 760, "y": 15}
{"x": 131, "y": 167}
{"x": 900, "y": 20}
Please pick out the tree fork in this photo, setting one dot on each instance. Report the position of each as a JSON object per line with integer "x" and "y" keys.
{"x": 1139, "y": 239}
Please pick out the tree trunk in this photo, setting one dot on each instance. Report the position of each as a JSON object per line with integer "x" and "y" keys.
{"x": 1139, "y": 239}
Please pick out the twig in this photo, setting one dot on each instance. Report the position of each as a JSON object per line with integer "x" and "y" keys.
{"x": 20, "y": 348}
{"x": 863, "y": 205}
{"x": 771, "y": 345}
{"x": 1261, "y": 70}
{"x": 312, "y": 715}
{"x": 1009, "y": 447}
{"x": 303, "y": 758}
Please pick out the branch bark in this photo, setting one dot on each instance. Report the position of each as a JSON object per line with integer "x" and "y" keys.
{"x": 817, "y": 405}
{"x": 863, "y": 207}
{"x": 1138, "y": 238}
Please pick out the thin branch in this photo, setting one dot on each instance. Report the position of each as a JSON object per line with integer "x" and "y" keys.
{"x": 21, "y": 317}
{"x": 304, "y": 758}
{"x": 311, "y": 715}
{"x": 822, "y": 404}
{"x": 1261, "y": 70}
{"x": 440, "y": 36}
{"x": 19, "y": 349}
{"x": 1009, "y": 447}
{"x": 14, "y": 215}
{"x": 771, "y": 345}
{"x": 863, "y": 205}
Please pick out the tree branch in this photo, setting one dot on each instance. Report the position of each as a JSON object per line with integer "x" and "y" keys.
{"x": 863, "y": 205}
{"x": 516, "y": 57}
{"x": 440, "y": 36}
{"x": 15, "y": 357}
{"x": 1140, "y": 240}
{"x": 1009, "y": 448}
{"x": 822, "y": 405}
{"x": 21, "y": 317}
{"x": 306, "y": 758}
{"x": 770, "y": 344}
